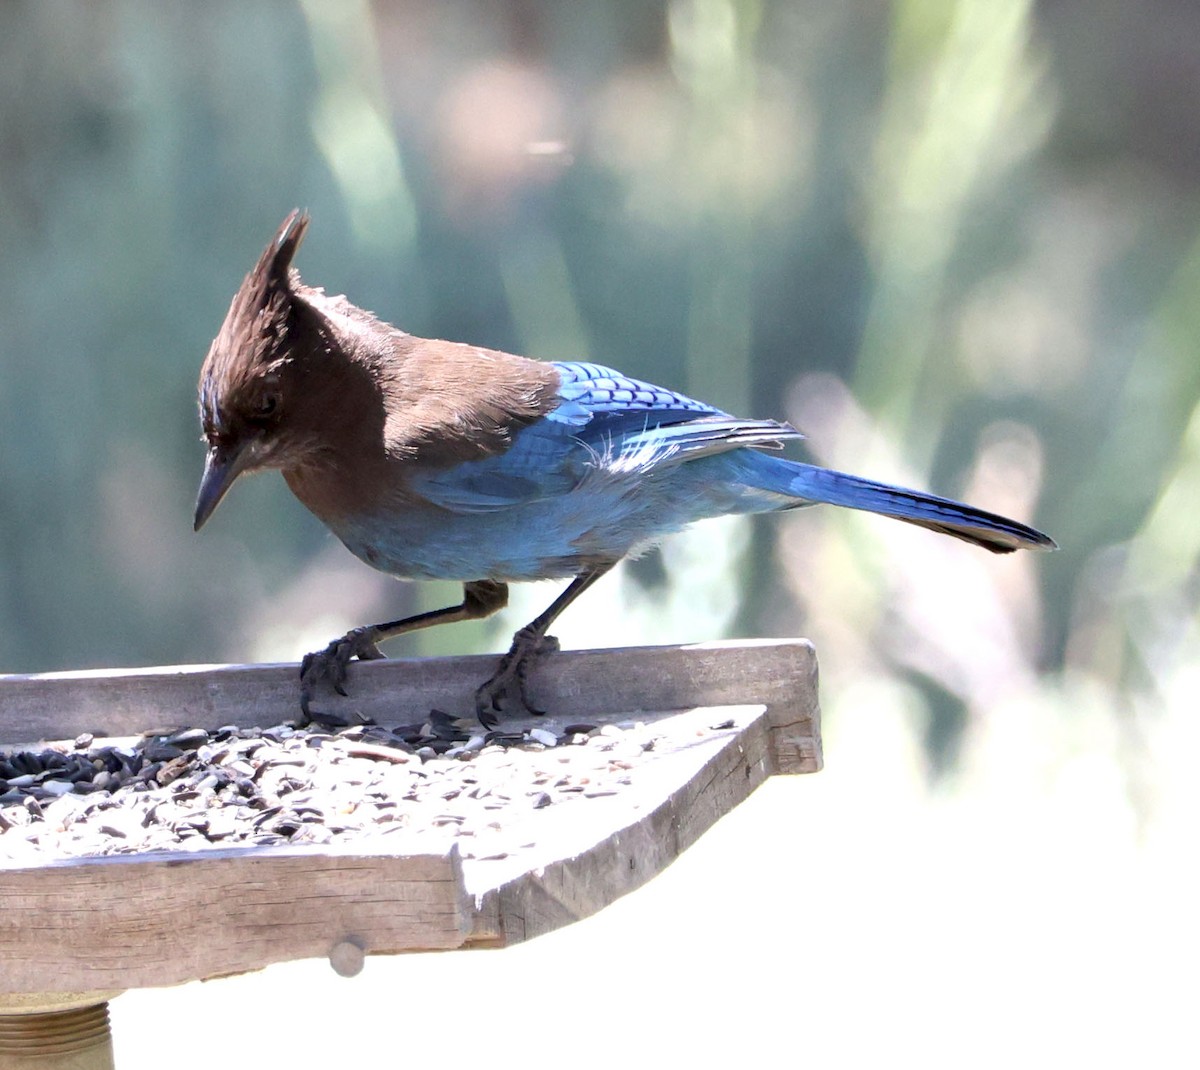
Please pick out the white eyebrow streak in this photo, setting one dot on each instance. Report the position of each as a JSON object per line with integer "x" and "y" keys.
{"x": 210, "y": 408}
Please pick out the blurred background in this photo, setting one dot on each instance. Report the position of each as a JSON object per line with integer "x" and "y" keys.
{"x": 954, "y": 241}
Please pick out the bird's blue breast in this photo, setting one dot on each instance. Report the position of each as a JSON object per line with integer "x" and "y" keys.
{"x": 550, "y": 537}
{"x": 518, "y": 544}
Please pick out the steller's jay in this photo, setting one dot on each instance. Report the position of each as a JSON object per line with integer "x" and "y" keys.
{"x": 434, "y": 459}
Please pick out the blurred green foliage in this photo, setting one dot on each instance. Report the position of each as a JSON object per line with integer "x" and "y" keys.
{"x": 976, "y": 218}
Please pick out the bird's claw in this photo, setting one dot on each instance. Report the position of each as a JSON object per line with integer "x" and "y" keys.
{"x": 331, "y": 665}
{"x": 509, "y": 679}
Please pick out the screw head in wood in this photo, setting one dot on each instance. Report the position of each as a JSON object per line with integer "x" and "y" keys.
{"x": 347, "y": 958}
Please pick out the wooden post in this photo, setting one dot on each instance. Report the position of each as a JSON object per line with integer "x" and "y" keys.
{"x": 55, "y": 1032}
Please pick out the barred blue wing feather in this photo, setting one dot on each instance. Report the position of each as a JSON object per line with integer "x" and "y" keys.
{"x": 591, "y": 390}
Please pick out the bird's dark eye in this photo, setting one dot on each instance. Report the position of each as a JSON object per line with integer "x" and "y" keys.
{"x": 266, "y": 405}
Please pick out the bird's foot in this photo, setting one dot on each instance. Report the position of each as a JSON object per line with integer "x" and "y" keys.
{"x": 330, "y": 666}
{"x": 508, "y": 681}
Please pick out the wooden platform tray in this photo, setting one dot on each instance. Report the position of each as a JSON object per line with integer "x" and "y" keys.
{"x": 726, "y": 715}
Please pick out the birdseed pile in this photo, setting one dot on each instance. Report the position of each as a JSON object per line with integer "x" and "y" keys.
{"x": 193, "y": 789}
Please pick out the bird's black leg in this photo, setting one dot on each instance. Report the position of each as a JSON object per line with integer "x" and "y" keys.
{"x": 481, "y": 598}
{"x": 528, "y": 644}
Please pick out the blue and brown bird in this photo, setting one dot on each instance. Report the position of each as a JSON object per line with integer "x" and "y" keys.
{"x": 439, "y": 460}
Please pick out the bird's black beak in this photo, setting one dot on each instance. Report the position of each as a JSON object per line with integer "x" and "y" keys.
{"x": 221, "y": 467}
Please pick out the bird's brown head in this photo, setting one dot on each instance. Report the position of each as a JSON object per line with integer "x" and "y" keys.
{"x": 330, "y": 394}
{"x": 245, "y": 380}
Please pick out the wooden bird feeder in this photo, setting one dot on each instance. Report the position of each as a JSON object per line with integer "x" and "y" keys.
{"x": 76, "y": 931}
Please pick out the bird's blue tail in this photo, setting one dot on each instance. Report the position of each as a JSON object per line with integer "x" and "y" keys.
{"x": 810, "y": 484}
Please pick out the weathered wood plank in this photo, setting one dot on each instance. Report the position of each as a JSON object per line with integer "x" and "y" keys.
{"x": 779, "y": 674}
{"x": 141, "y": 921}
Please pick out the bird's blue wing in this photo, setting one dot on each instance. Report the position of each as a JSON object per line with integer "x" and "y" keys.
{"x": 606, "y": 424}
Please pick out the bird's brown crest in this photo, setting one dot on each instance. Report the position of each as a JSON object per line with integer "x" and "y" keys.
{"x": 253, "y": 338}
